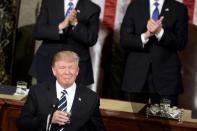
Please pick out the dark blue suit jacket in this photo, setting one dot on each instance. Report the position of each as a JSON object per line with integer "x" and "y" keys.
{"x": 161, "y": 56}
{"x": 77, "y": 39}
{"x": 85, "y": 110}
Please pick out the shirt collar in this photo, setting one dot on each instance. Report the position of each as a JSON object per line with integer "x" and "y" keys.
{"x": 159, "y": 1}
{"x": 67, "y": 1}
{"x": 69, "y": 90}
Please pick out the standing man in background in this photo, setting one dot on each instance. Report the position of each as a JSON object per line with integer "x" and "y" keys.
{"x": 152, "y": 33}
{"x": 65, "y": 25}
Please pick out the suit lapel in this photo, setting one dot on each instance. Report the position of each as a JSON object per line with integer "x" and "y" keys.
{"x": 58, "y": 8}
{"x": 144, "y": 14}
{"x": 77, "y": 102}
{"x": 166, "y": 8}
{"x": 146, "y": 9}
{"x": 51, "y": 94}
{"x": 80, "y": 6}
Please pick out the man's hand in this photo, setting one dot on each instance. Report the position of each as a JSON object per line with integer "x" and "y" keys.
{"x": 69, "y": 20}
{"x": 60, "y": 117}
{"x": 154, "y": 27}
{"x": 72, "y": 17}
{"x": 147, "y": 34}
{"x": 63, "y": 24}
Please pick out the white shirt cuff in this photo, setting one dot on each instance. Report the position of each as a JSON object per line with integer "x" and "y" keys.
{"x": 160, "y": 34}
{"x": 60, "y": 31}
{"x": 144, "y": 41}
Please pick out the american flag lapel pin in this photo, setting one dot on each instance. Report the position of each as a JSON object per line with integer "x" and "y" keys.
{"x": 167, "y": 9}
{"x": 79, "y": 99}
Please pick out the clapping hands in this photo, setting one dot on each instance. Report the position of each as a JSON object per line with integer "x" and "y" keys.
{"x": 69, "y": 20}
{"x": 153, "y": 27}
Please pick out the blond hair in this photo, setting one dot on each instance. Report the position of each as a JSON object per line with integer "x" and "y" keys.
{"x": 69, "y": 56}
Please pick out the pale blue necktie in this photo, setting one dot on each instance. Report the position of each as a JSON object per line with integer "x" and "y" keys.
{"x": 155, "y": 15}
{"x": 63, "y": 102}
{"x": 62, "y": 105}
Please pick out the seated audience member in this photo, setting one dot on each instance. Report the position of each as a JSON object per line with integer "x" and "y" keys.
{"x": 48, "y": 105}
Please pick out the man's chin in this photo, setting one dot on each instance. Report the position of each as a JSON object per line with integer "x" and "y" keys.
{"x": 67, "y": 79}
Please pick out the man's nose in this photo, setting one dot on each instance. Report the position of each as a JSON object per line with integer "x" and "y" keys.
{"x": 67, "y": 71}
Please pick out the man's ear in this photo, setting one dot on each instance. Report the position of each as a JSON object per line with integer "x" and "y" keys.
{"x": 77, "y": 71}
{"x": 53, "y": 70}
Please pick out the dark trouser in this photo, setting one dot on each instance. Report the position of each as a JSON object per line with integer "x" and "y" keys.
{"x": 149, "y": 92}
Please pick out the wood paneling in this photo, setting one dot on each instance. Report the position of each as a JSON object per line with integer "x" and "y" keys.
{"x": 10, "y": 111}
{"x": 189, "y": 71}
{"x": 124, "y": 121}
{"x": 113, "y": 120}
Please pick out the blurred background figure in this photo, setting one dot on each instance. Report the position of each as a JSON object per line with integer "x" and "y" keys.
{"x": 65, "y": 25}
{"x": 152, "y": 38}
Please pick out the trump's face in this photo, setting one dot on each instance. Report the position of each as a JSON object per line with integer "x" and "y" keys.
{"x": 65, "y": 72}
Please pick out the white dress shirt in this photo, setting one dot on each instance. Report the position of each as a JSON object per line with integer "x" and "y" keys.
{"x": 69, "y": 96}
{"x": 66, "y": 4}
{"x": 152, "y": 8}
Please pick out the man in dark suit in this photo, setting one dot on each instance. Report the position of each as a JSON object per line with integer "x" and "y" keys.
{"x": 152, "y": 34}
{"x": 81, "y": 102}
{"x": 65, "y": 25}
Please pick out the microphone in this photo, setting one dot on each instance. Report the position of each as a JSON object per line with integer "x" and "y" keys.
{"x": 54, "y": 106}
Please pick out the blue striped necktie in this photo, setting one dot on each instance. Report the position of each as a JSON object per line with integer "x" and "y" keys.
{"x": 155, "y": 15}
{"x": 70, "y": 7}
{"x": 63, "y": 102}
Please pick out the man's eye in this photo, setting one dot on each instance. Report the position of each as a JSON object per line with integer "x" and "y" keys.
{"x": 61, "y": 67}
{"x": 71, "y": 67}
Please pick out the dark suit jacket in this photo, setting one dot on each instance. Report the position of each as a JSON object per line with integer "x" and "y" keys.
{"x": 77, "y": 39}
{"x": 161, "y": 56}
{"x": 85, "y": 110}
